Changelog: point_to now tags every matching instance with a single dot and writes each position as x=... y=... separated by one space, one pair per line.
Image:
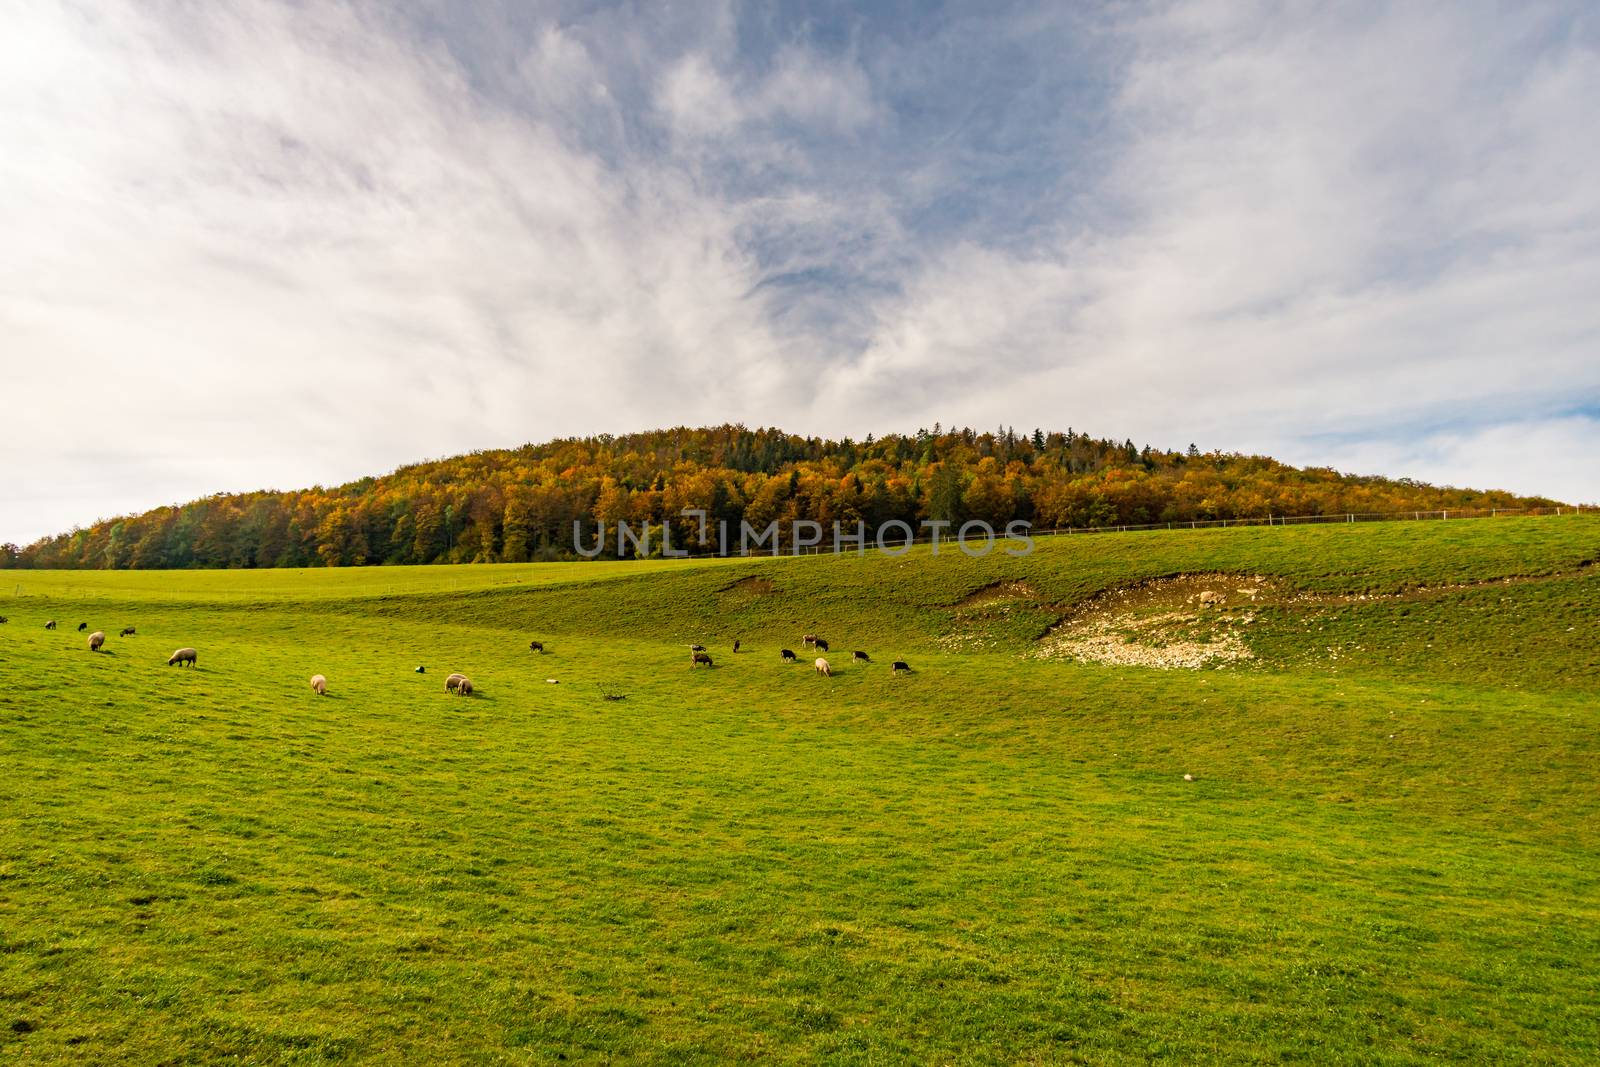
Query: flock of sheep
x=97 y=640
x=699 y=656
x=461 y=685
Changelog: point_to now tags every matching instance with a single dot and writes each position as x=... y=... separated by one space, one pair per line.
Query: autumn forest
x=520 y=504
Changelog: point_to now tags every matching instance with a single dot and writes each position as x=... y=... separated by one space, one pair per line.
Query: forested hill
x=520 y=504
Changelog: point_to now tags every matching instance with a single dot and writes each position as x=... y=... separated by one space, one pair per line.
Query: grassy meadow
x=1368 y=835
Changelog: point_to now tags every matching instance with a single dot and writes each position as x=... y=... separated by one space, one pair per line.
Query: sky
x=268 y=245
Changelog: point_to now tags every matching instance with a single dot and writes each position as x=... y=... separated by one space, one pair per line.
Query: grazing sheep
x=736 y=644
x=127 y=631
x=788 y=656
x=465 y=688
x=1210 y=597
x=96 y=639
x=3 y=620
x=699 y=658
x=51 y=625
x=535 y=646
x=823 y=668
x=82 y=626
x=822 y=646
x=900 y=665
x=420 y=670
x=319 y=685
x=697 y=648
x=809 y=639
x=861 y=657
x=185 y=656
x=453 y=681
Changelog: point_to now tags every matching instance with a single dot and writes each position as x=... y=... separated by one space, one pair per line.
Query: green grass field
x=1389 y=850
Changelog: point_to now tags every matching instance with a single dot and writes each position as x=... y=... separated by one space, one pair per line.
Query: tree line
x=515 y=505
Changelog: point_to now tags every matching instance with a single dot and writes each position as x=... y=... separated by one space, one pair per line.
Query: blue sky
x=268 y=245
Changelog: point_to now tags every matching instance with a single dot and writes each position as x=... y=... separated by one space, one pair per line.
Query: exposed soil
x=751 y=587
x=1192 y=621
x=1184 y=622
x=998 y=592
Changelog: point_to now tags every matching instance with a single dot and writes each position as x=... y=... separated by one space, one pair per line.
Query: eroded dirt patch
x=996 y=614
x=1185 y=622
x=998 y=593
x=751 y=586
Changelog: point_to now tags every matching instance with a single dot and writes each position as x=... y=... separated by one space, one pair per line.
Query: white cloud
x=275 y=248
x=271 y=245
x=1314 y=224
x=1552 y=457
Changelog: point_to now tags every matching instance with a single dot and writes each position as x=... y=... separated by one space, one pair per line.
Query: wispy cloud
x=269 y=244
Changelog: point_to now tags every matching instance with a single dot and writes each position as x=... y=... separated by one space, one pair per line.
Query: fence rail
x=948 y=536
x=1344 y=517
x=1341 y=517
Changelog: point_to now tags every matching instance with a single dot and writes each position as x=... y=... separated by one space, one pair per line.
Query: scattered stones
x=1179 y=623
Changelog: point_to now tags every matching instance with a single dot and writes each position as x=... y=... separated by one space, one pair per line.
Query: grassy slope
x=1387 y=853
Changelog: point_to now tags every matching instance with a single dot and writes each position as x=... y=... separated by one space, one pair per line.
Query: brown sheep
x=453 y=681
x=127 y=632
x=319 y=685
x=535 y=646
x=809 y=639
x=699 y=658
x=823 y=668
x=96 y=639
x=184 y=656
x=465 y=688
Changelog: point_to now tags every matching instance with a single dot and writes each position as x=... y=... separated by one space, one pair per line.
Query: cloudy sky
x=272 y=245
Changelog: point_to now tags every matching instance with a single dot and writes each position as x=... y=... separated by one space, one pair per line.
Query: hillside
x=1362 y=831
x=521 y=504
